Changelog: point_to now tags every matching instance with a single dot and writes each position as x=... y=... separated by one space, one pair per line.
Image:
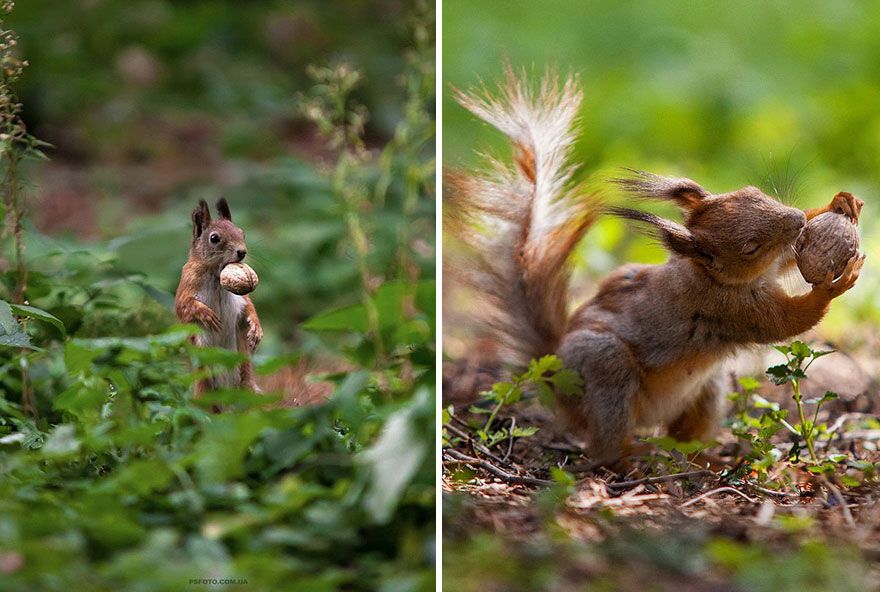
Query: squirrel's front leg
x=191 y=310
x=786 y=316
x=252 y=325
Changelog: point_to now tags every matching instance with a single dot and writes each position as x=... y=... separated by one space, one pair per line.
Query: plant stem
x=806 y=432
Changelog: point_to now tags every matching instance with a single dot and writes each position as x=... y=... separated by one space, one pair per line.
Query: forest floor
x=513 y=521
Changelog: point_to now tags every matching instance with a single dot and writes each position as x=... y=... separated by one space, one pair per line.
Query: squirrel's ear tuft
x=201 y=217
x=687 y=194
x=223 y=209
x=674 y=236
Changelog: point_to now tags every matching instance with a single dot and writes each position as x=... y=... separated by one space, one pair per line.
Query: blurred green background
x=153 y=104
x=782 y=95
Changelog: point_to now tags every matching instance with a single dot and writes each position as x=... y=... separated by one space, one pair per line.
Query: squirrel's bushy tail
x=519 y=223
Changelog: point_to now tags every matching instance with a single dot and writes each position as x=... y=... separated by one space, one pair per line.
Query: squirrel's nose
x=241 y=253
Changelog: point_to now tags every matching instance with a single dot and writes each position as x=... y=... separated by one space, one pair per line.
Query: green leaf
x=350 y=318
x=562 y=477
x=62 y=442
x=780 y=374
x=392 y=461
x=567 y=382
x=39 y=314
x=8 y=324
x=78 y=358
x=800 y=350
x=220 y=453
x=748 y=383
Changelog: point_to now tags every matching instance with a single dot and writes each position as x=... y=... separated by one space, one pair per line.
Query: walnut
x=827 y=243
x=239 y=279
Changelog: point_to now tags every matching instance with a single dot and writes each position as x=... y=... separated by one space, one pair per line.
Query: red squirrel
x=649 y=344
x=228 y=321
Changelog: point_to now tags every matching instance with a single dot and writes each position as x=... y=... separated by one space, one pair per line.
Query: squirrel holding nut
x=211 y=295
x=649 y=344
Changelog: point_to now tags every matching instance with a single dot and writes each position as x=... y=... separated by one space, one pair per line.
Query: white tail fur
x=521 y=222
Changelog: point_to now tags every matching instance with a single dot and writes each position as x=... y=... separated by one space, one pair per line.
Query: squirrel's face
x=735 y=237
x=216 y=243
x=742 y=234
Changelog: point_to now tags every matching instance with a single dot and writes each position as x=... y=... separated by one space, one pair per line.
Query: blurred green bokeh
x=782 y=95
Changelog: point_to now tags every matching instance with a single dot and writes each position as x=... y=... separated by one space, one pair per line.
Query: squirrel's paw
x=846 y=280
x=847 y=204
x=254 y=335
x=209 y=319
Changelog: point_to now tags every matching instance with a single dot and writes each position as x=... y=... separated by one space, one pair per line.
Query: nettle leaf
x=39 y=314
x=780 y=374
x=11 y=333
x=828 y=396
x=8 y=324
x=801 y=350
x=784 y=349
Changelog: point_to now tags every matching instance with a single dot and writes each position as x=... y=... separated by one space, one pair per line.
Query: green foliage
x=128 y=468
x=756 y=421
x=546 y=376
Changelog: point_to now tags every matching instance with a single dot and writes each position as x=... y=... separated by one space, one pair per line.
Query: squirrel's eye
x=751 y=248
x=214 y=238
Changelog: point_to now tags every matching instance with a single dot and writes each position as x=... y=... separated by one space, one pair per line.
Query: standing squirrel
x=649 y=344
x=228 y=321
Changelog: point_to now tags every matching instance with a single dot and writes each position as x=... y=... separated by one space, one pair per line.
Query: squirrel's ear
x=687 y=194
x=674 y=236
x=223 y=209
x=201 y=217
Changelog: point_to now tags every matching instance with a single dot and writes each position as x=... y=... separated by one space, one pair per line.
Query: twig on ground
x=847 y=515
x=660 y=479
x=476 y=445
x=725 y=489
x=510 y=444
x=766 y=491
x=489 y=467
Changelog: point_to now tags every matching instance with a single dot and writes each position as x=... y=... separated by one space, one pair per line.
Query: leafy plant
x=757 y=421
x=545 y=376
x=792 y=372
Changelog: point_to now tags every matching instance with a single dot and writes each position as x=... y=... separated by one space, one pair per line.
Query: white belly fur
x=228 y=307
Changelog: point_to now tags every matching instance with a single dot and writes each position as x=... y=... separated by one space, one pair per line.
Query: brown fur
x=648 y=344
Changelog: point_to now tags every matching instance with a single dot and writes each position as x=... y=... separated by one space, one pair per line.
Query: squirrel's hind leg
x=700 y=419
x=247 y=379
x=604 y=413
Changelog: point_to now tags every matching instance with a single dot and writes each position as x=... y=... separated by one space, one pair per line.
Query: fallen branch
x=660 y=479
x=500 y=473
x=725 y=489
